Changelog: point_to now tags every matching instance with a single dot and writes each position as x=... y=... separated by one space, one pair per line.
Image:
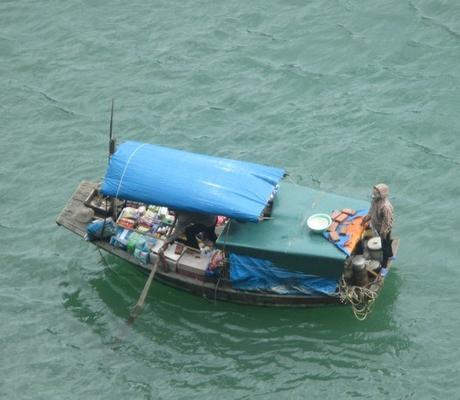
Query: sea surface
x=343 y=93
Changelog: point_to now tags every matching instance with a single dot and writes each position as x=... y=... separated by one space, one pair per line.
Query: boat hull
x=211 y=289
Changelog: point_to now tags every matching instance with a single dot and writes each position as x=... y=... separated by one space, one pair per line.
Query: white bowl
x=318 y=223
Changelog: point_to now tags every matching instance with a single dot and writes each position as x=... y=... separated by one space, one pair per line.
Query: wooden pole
x=140 y=303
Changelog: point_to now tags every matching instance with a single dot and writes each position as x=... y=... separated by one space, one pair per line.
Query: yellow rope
x=361 y=299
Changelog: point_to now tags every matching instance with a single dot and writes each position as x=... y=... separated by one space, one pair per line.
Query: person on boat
x=380 y=216
x=191 y=224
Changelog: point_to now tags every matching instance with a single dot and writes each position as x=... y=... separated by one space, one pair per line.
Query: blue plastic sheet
x=101 y=229
x=255 y=274
x=190 y=182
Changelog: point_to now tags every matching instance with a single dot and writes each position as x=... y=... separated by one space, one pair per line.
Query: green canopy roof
x=285 y=238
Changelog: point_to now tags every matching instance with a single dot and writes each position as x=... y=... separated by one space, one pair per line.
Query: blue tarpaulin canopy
x=190 y=182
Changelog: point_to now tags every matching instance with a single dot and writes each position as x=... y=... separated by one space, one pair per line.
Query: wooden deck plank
x=68 y=216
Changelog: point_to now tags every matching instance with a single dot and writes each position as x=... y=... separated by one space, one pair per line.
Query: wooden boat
x=269 y=225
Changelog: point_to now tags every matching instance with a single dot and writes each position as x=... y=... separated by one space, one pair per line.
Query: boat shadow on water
x=176 y=322
x=118 y=286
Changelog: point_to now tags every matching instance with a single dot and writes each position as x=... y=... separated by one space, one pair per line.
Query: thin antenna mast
x=112 y=142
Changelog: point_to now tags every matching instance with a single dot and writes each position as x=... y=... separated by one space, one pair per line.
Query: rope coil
x=362 y=299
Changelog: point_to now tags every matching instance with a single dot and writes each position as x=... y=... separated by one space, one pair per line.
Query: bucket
x=358 y=262
x=359 y=270
x=374 y=247
x=372 y=265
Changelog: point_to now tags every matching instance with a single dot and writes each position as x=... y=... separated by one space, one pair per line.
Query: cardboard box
x=193 y=262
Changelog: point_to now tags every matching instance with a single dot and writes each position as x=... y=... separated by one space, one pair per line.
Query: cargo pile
x=142 y=230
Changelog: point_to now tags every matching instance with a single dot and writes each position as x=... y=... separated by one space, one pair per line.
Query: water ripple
x=342 y=94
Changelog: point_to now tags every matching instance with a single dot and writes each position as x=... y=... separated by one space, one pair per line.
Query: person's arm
x=365 y=220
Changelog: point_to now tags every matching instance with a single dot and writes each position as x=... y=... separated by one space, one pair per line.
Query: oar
x=140 y=303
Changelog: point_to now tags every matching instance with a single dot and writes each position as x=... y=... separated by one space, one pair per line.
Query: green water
x=342 y=93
